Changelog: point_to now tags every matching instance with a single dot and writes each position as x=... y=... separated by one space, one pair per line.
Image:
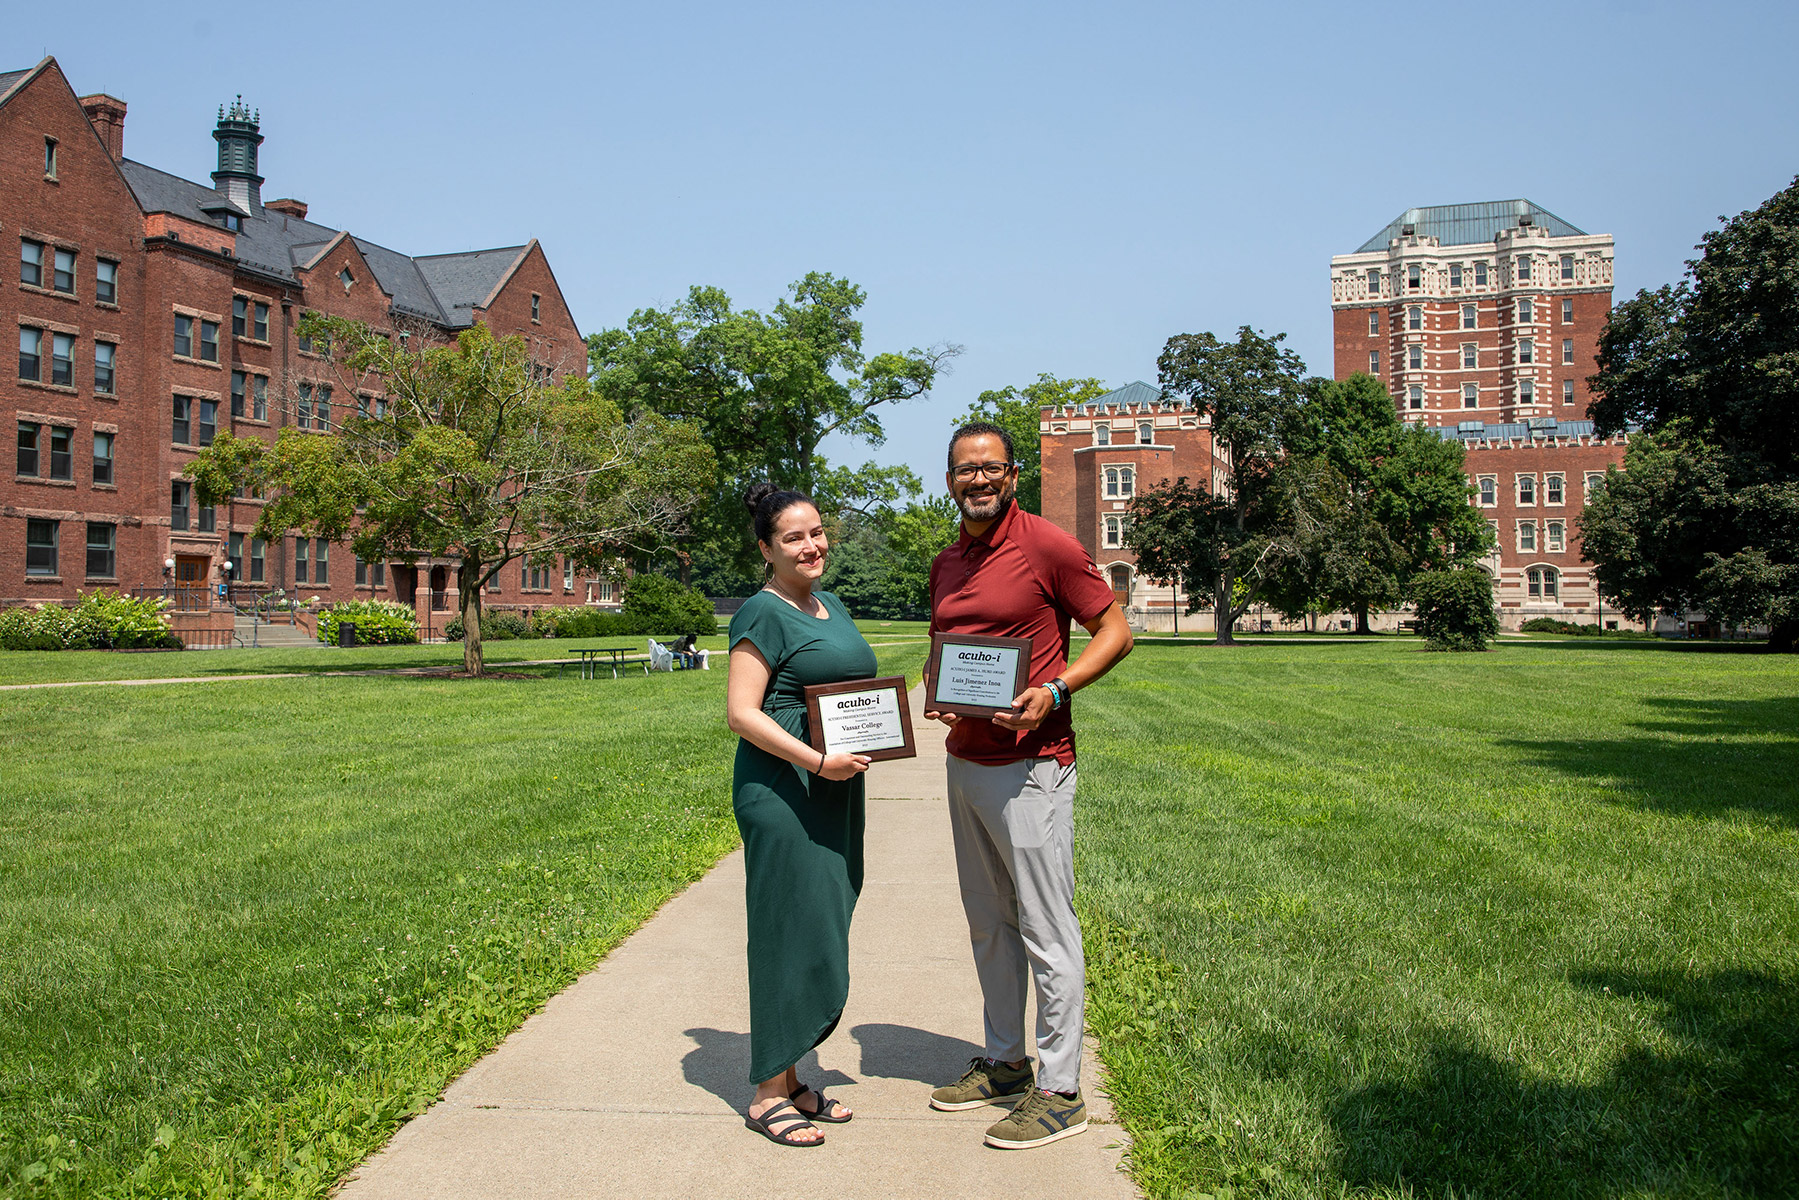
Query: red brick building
x=1483 y=320
x=1098 y=455
x=154 y=312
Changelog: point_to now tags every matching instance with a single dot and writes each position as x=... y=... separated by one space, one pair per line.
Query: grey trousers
x=1014 y=833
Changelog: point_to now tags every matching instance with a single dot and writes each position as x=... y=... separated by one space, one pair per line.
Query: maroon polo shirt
x=1024 y=577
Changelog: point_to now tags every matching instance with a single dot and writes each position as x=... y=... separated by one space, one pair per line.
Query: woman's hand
x=843 y=766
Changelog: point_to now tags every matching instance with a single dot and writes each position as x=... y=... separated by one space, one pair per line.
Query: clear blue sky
x=1055 y=187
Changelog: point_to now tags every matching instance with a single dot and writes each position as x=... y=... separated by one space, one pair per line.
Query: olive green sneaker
x=1040 y=1118
x=985 y=1082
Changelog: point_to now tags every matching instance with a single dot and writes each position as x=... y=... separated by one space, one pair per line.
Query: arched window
x=1102 y=435
x=1112 y=531
x=1127 y=481
x=1543 y=583
x=1145 y=434
x=1111 y=481
x=1414 y=318
x=1489 y=491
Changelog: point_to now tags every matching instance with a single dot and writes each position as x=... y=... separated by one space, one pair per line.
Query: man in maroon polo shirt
x=1011 y=787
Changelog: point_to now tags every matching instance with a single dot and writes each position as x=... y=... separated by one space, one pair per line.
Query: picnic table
x=613 y=656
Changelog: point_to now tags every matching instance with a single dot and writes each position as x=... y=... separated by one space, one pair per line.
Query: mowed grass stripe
x=1512 y=924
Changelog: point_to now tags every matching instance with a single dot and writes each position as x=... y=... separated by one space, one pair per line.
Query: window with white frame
x=1374 y=322
x=1568 y=268
x=1470 y=355
x=1480 y=274
x=1567 y=350
x=1543 y=583
x=1470 y=316
x=1112 y=531
x=1146 y=434
x=1488 y=486
x=1414 y=317
x=1374 y=281
x=105 y=358
x=1524 y=267
x=1567 y=312
x=1527 y=489
x=1111 y=483
x=1594 y=481
x=1414 y=356
x=1102 y=435
x=1526 y=312
x=1527 y=350
x=1527 y=391
x=1557 y=541
x=1455 y=275
x=1471 y=395
x=1374 y=362
x=1414 y=397
x=568 y=572
x=1553 y=489
x=1414 y=277
x=1567 y=391
x=1527 y=537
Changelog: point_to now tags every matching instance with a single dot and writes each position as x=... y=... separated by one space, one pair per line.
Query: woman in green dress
x=800 y=810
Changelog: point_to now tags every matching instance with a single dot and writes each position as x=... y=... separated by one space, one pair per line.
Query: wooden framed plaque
x=869 y=717
x=976 y=676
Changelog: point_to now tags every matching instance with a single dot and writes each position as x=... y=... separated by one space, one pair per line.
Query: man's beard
x=990 y=507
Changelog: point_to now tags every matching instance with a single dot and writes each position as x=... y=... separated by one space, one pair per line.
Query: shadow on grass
x=1645 y=645
x=1701 y=758
x=1717 y=1116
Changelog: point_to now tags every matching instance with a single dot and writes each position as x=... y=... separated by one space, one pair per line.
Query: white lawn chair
x=661 y=657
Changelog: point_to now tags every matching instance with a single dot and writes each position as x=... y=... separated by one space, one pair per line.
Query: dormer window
x=348 y=280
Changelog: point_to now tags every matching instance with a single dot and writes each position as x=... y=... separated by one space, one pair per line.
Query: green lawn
x=1366 y=920
x=248 y=927
x=1361 y=919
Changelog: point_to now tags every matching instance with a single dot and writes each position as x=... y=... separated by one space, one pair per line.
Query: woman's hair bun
x=758 y=492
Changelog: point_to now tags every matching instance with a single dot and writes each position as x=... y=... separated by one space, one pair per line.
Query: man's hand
x=1030 y=708
x=932 y=714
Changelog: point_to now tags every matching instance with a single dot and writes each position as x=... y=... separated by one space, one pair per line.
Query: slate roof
x=442 y=288
x=1469 y=224
x=9 y=78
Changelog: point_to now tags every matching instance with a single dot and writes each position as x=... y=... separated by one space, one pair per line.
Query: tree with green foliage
x=1232 y=542
x=1705 y=513
x=880 y=563
x=767 y=389
x=1403 y=506
x=1455 y=608
x=469 y=453
x=1018 y=411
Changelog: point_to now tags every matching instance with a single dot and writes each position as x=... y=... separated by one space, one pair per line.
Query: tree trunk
x=468 y=587
x=1783 y=638
x=1221 y=610
x=1361 y=619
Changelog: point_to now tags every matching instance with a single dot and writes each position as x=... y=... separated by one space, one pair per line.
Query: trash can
x=346 y=633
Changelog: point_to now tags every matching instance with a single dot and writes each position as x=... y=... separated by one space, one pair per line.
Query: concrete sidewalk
x=632 y=1082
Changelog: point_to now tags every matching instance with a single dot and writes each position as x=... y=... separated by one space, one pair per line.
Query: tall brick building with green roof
x=154 y=312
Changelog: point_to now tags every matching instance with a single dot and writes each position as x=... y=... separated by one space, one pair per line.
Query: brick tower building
x=154 y=312
x=1483 y=320
x=1098 y=455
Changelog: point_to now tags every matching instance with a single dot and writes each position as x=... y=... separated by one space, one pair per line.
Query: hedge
x=378 y=622
x=100 y=621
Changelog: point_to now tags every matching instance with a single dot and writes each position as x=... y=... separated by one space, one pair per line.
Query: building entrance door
x=190 y=581
x=1121 y=585
x=406 y=583
x=440 y=581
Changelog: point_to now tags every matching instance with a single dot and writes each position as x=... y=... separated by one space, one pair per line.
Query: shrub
x=101 y=621
x=495 y=627
x=378 y=622
x=590 y=623
x=1455 y=609
x=661 y=607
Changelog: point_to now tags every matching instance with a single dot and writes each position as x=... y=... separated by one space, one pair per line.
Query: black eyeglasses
x=992 y=470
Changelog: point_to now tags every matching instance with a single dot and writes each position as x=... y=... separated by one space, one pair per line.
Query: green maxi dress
x=802 y=837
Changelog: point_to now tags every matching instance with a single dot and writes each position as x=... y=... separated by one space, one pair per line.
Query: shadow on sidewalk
x=720 y=1063
x=902 y=1052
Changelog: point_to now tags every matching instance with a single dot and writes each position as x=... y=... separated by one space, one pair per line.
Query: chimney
x=107 y=115
x=288 y=206
x=239 y=134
